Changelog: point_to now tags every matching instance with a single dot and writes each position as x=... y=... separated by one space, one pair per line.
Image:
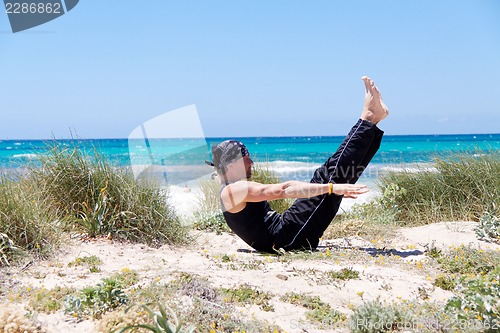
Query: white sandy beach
x=398 y=272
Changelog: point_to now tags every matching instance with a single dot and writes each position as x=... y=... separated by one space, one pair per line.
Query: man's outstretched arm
x=296 y=189
x=236 y=194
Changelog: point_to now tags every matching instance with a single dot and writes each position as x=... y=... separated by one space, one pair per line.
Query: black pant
x=303 y=224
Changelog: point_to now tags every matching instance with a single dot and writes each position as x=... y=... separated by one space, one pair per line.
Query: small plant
x=433 y=252
x=391 y=195
x=374 y=220
x=226 y=258
x=488 y=228
x=91 y=261
x=47 y=300
x=98 y=219
x=445 y=282
x=343 y=274
x=382 y=210
x=125 y=278
x=161 y=319
x=197 y=288
x=308 y=302
x=245 y=294
x=325 y=317
x=211 y=221
x=320 y=312
x=95 y=301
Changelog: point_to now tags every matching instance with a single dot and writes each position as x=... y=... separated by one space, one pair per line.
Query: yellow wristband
x=330 y=188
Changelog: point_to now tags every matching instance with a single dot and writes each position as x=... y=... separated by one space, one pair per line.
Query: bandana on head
x=226 y=153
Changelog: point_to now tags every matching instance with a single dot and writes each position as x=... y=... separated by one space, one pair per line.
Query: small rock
x=282 y=277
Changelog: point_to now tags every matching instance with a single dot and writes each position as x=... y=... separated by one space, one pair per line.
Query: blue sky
x=253 y=68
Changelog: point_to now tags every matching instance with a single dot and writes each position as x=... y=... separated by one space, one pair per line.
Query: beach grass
x=463 y=186
x=93 y=196
x=209 y=199
x=208 y=215
x=68 y=189
x=460 y=187
x=27 y=225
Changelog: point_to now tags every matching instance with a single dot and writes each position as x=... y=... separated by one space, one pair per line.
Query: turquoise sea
x=290 y=157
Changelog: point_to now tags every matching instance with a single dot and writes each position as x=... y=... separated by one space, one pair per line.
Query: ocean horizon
x=291 y=157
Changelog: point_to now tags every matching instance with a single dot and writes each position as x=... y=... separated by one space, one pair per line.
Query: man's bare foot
x=374 y=109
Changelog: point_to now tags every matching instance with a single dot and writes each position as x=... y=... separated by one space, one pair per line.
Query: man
x=245 y=203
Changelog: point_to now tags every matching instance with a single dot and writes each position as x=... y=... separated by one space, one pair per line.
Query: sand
x=400 y=271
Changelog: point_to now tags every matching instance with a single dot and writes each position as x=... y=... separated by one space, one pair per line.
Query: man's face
x=241 y=169
x=248 y=165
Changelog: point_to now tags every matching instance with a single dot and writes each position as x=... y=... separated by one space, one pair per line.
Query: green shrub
x=488 y=228
x=105 y=200
x=462 y=187
x=373 y=212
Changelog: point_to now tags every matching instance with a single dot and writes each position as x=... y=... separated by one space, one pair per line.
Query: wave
x=410 y=168
x=290 y=170
x=28 y=156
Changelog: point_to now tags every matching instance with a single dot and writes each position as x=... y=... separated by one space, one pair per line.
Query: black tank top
x=256 y=224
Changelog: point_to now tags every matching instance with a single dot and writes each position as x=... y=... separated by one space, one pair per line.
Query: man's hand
x=349 y=190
